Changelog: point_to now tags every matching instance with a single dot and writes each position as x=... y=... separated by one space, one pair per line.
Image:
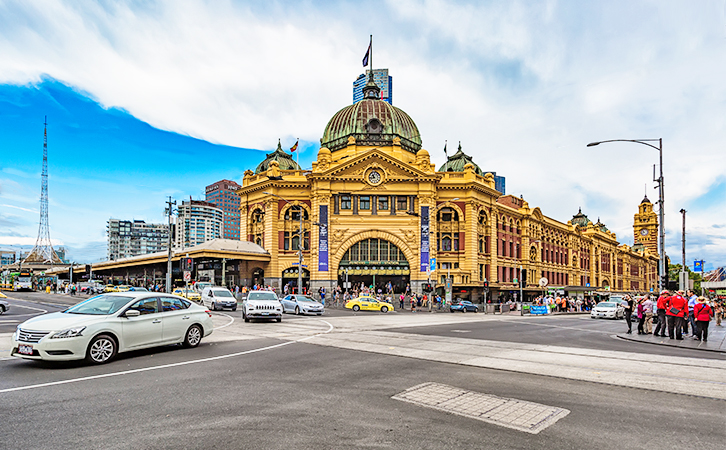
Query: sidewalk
x=716 y=339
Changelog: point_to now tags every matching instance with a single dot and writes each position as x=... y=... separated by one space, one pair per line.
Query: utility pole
x=170 y=204
x=683 y=284
x=521 y=300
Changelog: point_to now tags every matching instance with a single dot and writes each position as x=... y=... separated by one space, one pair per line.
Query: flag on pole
x=294 y=147
x=368 y=53
x=445 y=153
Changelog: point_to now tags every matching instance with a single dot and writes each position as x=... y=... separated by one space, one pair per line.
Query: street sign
x=515 y=281
x=187 y=276
x=543 y=282
x=432 y=264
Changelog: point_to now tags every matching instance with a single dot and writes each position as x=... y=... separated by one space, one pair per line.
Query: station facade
x=376 y=210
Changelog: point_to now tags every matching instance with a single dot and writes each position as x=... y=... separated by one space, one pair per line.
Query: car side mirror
x=132 y=313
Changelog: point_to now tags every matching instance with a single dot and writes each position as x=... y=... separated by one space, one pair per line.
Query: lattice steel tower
x=43 y=252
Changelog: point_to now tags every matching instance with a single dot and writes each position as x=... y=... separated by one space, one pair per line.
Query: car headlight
x=69 y=333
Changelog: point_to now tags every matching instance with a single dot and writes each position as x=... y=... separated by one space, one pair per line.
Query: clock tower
x=645 y=226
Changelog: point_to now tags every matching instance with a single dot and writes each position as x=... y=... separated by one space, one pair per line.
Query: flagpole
x=297 y=150
x=370 y=61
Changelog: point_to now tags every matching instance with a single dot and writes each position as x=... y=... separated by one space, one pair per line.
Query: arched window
x=291 y=228
x=483 y=232
x=373 y=250
x=257 y=226
x=447 y=237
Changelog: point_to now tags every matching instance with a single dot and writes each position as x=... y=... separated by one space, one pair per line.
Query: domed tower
x=284 y=160
x=371 y=121
x=645 y=226
x=580 y=219
x=457 y=161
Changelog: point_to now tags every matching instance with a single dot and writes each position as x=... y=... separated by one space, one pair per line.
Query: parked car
x=102 y=326
x=110 y=288
x=464 y=306
x=302 y=304
x=189 y=294
x=367 y=303
x=4 y=305
x=138 y=289
x=215 y=297
x=261 y=305
x=608 y=310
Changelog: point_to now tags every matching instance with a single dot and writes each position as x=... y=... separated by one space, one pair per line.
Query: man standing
x=692 y=299
x=660 y=305
x=676 y=311
x=628 y=305
x=648 y=310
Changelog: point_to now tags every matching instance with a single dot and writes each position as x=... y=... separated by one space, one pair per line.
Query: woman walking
x=641 y=316
x=628 y=305
x=702 y=313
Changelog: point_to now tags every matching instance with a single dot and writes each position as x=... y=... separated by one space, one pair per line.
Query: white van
x=215 y=297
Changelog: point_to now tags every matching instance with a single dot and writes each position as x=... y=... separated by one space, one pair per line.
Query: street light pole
x=661 y=200
x=169 y=210
x=521 y=300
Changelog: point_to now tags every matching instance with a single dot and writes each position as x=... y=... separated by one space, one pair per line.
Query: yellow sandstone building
x=376 y=210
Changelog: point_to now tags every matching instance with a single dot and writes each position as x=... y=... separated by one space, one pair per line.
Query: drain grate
x=506 y=412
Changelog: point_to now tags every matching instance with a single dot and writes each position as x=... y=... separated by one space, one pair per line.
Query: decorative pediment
x=393 y=169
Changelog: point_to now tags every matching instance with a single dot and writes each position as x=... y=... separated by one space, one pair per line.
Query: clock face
x=374 y=177
x=644 y=232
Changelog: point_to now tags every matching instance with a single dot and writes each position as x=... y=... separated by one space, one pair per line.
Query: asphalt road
x=21 y=311
x=310 y=397
x=578 y=331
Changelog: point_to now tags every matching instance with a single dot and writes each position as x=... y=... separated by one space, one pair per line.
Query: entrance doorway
x=258 y=277
x=289 y=278
x=377 y=263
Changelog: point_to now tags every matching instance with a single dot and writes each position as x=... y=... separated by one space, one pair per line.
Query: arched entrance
x=289 y=278
x=258 y=277
x=374 y=262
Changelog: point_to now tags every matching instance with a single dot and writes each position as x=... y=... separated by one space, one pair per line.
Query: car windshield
x=222 y=293
x=99 y=305
x=305 y=299
x=606 y=305
x=262 y=296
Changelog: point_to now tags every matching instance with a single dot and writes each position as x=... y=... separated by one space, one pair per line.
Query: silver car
x=302 y=304
x=4 y=306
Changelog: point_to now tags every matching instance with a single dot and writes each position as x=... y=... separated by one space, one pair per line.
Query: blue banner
x=424 y=238
x=538 y=309
x=698 y=266
x=323 y=239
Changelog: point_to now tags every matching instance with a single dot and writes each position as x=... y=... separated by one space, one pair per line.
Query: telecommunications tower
x=43 y=252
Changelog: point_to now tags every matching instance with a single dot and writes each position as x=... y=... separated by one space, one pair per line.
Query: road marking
x=164 y=366
x=231 y=321
x=506 y=412
x=9 y=321
x=42 y=311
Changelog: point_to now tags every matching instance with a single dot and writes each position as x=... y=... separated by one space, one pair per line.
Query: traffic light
x=187 y=264
x=486 y=284
x=427 y=287
x=523 y=276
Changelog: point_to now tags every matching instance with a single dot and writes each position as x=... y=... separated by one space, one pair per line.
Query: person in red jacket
x=661 y=311
x=702 y=313
x=676 y=311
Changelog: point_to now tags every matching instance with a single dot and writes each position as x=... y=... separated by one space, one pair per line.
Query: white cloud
x=525 y=86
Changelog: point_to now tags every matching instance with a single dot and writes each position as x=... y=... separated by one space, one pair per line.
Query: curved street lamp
x=661 y=199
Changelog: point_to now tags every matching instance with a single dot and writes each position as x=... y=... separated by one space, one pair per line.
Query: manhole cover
x=506 y=412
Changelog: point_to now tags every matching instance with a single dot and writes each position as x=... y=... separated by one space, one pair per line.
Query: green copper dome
x=283 y=158
x=580 y=219
x=457 y=161
x=371 y=121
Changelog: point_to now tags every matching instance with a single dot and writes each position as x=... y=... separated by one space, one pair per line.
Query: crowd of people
x=677 y=313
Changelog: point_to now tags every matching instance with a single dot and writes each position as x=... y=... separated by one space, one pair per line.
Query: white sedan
x=608 y=310
x=302 y=304
x=102 y=326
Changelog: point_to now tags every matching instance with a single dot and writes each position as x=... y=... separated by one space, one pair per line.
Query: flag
x=294 y=147
x=447 y=155
x=368 y=53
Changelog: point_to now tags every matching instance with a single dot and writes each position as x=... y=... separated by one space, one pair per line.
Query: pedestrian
x=660 y=328
x=702 y=312
x=676 y=312
x=641 y=316
x=648 y=311
x=628 y=305
x=718 y=312
x=692 y=300
x=401 y=302
x=413 y=304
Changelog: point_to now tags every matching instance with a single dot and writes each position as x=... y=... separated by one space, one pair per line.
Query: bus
x=23 y=280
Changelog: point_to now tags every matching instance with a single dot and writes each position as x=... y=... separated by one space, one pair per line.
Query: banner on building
x=424 y=238
x=323 y=239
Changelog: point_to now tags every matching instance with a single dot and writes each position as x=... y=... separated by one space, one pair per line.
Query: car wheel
x=384 y=309
x=234 y=309
x=356 y=308
x=279 y=319
x=451 y=311
x=463 y=309
x=214 y=306
x=2 y=309
x=297 y=310
x=193 y=337
x=244 y=316
x=101 y=349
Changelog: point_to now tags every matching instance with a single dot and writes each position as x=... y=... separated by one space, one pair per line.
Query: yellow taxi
x=110 y=288
x=189 y=294
x=368 y=303
x=123 y=288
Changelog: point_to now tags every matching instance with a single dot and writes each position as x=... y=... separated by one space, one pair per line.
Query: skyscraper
x=197 y=222
x=128 y=238
x=382 y=80
x=223 y=194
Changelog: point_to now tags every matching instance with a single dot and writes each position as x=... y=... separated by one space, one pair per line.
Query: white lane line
x=30 y=307
x=231 y=321
x=164 y=366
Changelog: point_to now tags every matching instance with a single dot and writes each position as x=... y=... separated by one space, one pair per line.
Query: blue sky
x=158 y=98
